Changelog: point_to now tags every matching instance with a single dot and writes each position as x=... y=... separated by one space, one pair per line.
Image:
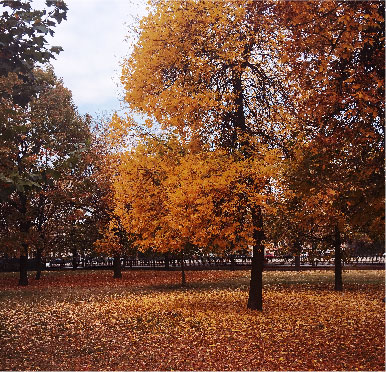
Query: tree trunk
x=38 y=264
x=338 y=260
x=233 y=262
x=117 y=267
x=255 y=300
x=24 y=229
x=297 y=262
x=23 y=279
x=183 y=277
x=167 y=261
x=74 y=252
x=298 y=250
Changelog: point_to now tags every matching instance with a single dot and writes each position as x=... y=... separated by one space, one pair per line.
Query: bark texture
x=255 y=300
x=117 y=267
x=183 y=276
x=39 y=264
x=338 y=260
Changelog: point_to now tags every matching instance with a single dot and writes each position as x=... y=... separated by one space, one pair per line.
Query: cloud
x=93 y=39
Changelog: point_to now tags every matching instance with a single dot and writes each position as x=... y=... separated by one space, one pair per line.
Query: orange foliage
x=88 y=321
x=171 y=195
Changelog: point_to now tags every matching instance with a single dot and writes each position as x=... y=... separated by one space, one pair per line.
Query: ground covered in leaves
x=87 y=320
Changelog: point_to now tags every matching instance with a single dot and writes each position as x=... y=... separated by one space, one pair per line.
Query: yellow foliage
x=171 y=195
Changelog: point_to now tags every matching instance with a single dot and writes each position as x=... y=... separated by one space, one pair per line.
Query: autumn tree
x=110 y=140
x=335 y=51
x=286 y=232
x=39 y=143
x=202 y=67
x=77 y=203
x=112 y=243
x=23 y=46
x=174 y=195
x=141 y=197
x=239 y=75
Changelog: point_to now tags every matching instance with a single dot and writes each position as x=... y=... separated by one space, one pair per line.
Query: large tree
x=206 y=68
x=304 y=78
x=335 y=51
x=39 y=143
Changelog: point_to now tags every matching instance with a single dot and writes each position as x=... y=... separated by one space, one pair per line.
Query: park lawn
x=86 y=320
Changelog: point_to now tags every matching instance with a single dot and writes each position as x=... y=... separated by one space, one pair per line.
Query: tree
x=23 y=43
x=207 y=74
x=336 y=53
x=243 y=74
x=39 y=143
x=173 y=196
x=141 y=197
x=23 y=46
x=112 y=243
x=110 y=140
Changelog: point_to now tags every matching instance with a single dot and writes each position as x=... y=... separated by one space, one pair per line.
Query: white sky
x=93 y=39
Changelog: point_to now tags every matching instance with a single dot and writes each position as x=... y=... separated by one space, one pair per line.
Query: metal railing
x=193 y=262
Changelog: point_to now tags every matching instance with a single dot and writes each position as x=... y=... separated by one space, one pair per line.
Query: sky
x=94 y=44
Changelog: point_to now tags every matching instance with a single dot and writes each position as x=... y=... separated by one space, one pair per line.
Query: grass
x=87 y=320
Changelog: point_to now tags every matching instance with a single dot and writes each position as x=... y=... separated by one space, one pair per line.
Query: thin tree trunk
x=74 y=252
x=255 y=300
x=42 y=235
x=24 y=229
x=117 y=267
x=167 y=261
x=338 y=260
x=38 y=264
x=23 y=279
x=298 y=249
x=233 y=262
x=297 y=262
x=183 y=277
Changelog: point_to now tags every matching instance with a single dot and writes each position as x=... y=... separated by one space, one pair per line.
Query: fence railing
x=194 y=262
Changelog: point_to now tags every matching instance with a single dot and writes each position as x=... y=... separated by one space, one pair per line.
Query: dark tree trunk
x=297 y=262
x=40 y=223
x=183 y=277
x=167 y=261
x=298 y=250
x=233 y=262
x=255 y=300
x=74 y=252
x=39 y=264
x=338 y=260
x=23 y=279
x=239 y=103
x=24 y=229
x=117 y=267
